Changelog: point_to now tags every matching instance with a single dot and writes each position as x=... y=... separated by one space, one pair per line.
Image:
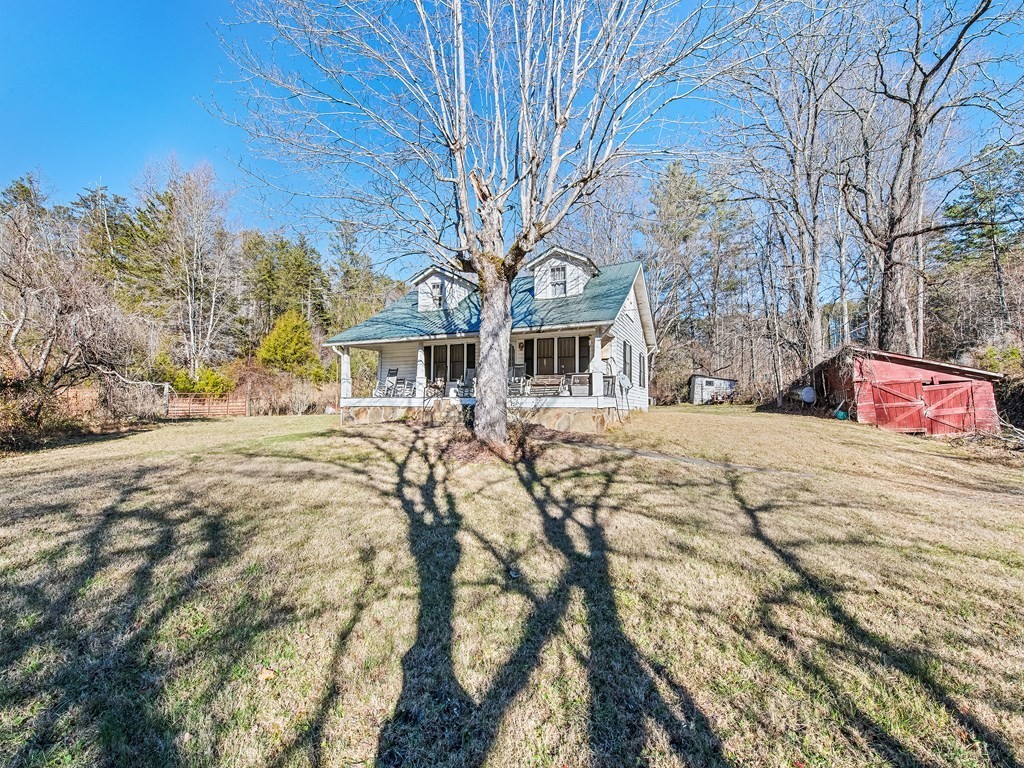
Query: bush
x=274 y=392
x=30 y=414
x=212 y=382
x=289 y=348
x=208 y=381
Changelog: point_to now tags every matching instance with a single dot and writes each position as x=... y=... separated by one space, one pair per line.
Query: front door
x=545 y=357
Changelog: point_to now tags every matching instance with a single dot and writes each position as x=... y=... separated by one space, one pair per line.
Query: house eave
x=463 y=335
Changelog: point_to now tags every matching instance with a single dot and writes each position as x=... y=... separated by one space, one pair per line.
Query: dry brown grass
x=275 y=591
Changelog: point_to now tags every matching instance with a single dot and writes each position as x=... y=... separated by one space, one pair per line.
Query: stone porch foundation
x=583 y=420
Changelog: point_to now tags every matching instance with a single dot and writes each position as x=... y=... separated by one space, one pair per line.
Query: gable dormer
x=439 y=289
x=558 y=273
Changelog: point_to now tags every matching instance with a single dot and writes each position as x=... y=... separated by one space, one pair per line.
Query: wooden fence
x=190 y=406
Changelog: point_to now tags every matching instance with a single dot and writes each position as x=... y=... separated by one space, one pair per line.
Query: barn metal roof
x=978 y=373
x=598 y=304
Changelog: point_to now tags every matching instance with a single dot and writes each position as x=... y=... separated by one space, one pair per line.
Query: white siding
x=627 y=328
x=452 y=292
x=704 y=389
x=575 y=278
x=401 y=355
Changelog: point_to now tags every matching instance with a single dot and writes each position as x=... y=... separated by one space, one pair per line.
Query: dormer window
x=558 y=282
x=435 y=295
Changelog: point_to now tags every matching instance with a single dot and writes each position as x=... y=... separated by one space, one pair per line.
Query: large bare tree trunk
x=895 y=322
x=490 y=416
x=843 y=293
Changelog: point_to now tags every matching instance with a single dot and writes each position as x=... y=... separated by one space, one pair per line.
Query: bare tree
x=181 y=244
x=608 y=225
x=59 y=321
x=930 y=67
x=777 y=133
x=469 y=129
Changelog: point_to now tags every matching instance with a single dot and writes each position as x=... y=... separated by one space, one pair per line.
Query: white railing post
x=596 y=367
x=421 y=371
x=346 y=373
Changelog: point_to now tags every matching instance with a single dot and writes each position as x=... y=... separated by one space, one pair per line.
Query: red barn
x=908 y=394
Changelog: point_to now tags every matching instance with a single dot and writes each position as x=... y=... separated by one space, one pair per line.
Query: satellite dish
x=807 y=395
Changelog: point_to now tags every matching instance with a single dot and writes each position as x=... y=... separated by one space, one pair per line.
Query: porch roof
x=600 y=302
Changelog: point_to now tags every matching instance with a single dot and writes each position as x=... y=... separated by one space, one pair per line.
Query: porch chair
x=518 y=381
x=387 y=387
x=468 y=386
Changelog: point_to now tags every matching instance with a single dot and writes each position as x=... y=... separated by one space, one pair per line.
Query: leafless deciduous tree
x=59 y=322
x=470 y=128
x=182 y=245
x=930 y=67
x=778 y=133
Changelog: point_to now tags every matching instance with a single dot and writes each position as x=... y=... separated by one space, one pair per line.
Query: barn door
x=949 y=408
x=899 y=405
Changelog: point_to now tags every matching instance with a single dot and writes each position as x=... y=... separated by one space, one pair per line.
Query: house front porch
x=561 y=378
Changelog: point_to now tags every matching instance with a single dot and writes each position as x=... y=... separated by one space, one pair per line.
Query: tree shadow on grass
x=77 y=644
x=436 y=722
x=97 y=676
x=865 y=644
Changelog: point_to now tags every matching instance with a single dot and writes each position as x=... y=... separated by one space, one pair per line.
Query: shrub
x=212 y=382
x=289 y=348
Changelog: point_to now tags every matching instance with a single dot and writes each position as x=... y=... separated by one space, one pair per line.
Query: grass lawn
x=278 y=591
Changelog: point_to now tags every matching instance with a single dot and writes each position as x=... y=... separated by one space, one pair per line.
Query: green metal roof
x=600 y=302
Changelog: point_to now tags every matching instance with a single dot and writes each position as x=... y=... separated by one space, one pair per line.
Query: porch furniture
x=579 y=384
x=467 y=388
x=386 y=388
x=518 y=381
x=405 y=388
x=546 y=386
x=433 y=388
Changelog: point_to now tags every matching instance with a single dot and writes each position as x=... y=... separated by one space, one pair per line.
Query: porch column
x=421 y=371
x=596 y=368
x=346 y=373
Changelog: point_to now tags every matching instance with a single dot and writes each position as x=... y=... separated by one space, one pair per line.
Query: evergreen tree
x=289 y=347
x=995 y=197
x=104 y=218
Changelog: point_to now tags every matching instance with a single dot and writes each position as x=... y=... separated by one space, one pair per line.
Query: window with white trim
x=435 y=294
x=558 y=281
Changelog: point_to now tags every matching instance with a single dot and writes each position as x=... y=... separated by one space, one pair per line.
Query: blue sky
x=91 y=91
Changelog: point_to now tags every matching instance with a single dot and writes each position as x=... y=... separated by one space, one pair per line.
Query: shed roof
x=963 y=370
x=713 y=378
x=598 y=304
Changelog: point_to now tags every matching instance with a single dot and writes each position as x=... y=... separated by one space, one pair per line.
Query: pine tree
x=994 y=196
x=289 y=347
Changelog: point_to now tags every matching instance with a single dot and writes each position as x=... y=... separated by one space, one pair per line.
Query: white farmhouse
x=580 y=353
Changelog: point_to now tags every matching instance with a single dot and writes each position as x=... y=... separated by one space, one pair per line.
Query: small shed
x=711 y=389
x=903 y=393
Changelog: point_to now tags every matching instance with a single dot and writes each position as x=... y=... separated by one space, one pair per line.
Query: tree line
x=161 y=288
x=855 y=180
x=824 y=196
x=731 y=300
